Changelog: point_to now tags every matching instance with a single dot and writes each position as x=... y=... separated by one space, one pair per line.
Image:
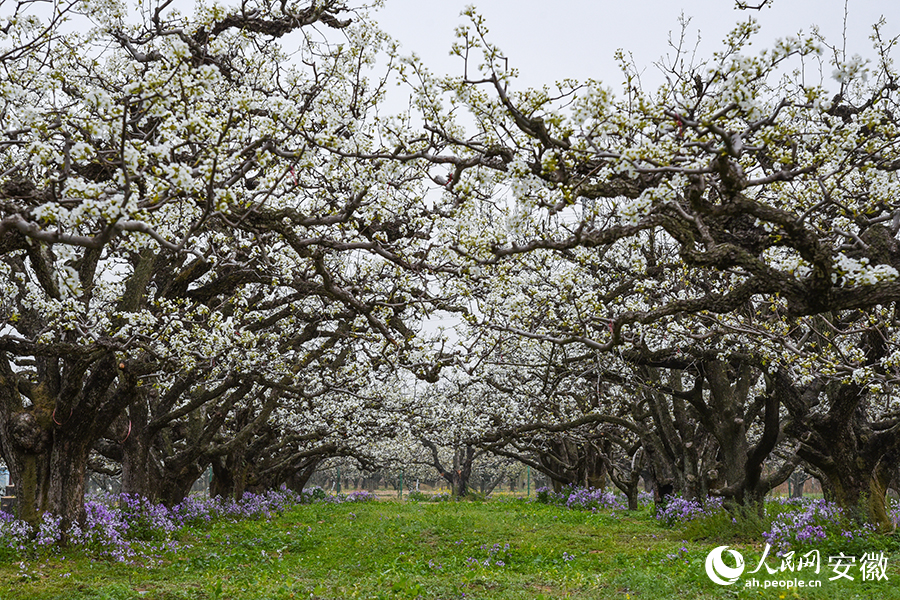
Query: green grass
x=409 y=550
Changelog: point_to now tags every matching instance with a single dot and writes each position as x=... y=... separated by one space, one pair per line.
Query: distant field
x=500 y=549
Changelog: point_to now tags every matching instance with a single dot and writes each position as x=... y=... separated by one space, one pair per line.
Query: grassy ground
x=428 y=550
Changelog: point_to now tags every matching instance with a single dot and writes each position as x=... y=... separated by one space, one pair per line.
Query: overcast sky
x=551 y=40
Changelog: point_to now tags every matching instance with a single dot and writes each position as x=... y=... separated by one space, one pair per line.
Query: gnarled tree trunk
x=47 y=429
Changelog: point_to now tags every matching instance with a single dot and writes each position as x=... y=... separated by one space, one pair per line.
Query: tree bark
x=842 y=445
x=68 y=466
x=47 y=445
x=26 y=449
x=140 y=475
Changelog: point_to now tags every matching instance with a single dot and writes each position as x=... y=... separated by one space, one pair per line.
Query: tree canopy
x=217 y=252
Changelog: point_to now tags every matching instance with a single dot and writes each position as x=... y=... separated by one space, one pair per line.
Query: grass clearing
x=448 y=550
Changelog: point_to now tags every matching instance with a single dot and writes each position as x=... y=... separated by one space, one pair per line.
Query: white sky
x=548 y=41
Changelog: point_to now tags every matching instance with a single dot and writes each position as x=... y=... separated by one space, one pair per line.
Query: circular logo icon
x=721 y=573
